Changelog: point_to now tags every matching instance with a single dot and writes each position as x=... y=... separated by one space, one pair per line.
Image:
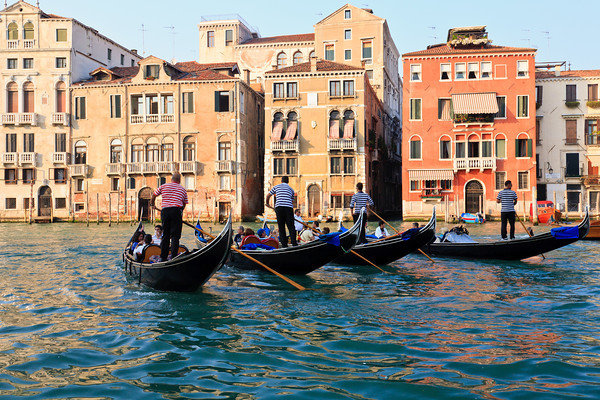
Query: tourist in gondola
x=139 y=250
x=284 y=210
x=298 y=221
x=158 y=234
x=239 y=235
x=359 y=200
x=381 y=232
x=174 y=199
x=508 y=199
x=139 y=240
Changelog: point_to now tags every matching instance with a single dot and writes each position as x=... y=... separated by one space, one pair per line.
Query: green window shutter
x=217 y=99
x=529 y=147
x=118 y=106
x=516 y=147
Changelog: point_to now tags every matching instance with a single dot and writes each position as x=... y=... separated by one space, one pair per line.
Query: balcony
x=10 y=158
x=341 y=144
x=27 y=158
x=572 y=103
x=152 y=118
x=285 y=145
x=60 y=118
x=189 y=167
x=166 y=167
x=576 y=172
x=592 y=140
x=81 y=170
x=479 y=120
x=115 y=169
x=60 y=158
x=12 y=44
x=156 y=167
x=225 y=166
x=29 y=44
x=591 y=180
x=19 y=119
x=474 y=163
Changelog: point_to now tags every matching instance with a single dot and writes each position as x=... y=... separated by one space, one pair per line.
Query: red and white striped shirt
x=173 y=195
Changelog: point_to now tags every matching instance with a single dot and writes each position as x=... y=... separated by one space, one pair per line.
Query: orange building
x=468 y=125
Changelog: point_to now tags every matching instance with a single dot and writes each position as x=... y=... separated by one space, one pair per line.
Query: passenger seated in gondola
x=326 y=231
x=157 y=237
x=139 y=249
x=381 y=232
x=261 y=233
x=411 y=232
x=308 y=235
x=239 y=236
x=138 y=241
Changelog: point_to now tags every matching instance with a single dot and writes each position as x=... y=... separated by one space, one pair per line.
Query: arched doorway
x=474 y=197
x=314 y=200
x=45 y=202
x=144 y=197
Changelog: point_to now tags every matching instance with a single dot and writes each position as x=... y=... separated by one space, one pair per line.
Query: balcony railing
x=12 y=44
x=225 y=166
x=19 y=119
x=60 y=118
x=341 y=144
x=27 y=158
x=152 y=118
x=192 y=167
x=27 y=119
x=115 y=169
x=29 y=44
x=590 y=180
x=573 y=172
x=284 y=145
x=156 y=167
x=10 y=158
x=166 y=167
x=474 y=163
x=60 y=158
x=79 y=170
x=592 y=140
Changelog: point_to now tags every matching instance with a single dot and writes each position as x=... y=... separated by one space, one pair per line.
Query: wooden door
x=474 y=197
x=45 y=202
x=144 y=198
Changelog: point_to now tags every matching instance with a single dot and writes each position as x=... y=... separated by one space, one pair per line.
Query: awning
x=475 y=103
x=430 y=174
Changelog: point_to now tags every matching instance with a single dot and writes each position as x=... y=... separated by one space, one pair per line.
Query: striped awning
x=430 y=174
x=475 y=103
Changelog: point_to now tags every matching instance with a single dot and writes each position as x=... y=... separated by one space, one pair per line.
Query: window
x=473 y=149
x=61 y=35
x=189 y=182
x=189 y=149
x=298 y=58
x=28 y=33
x=210 y=39
x=445 y=149
x=522 y=106
x=446 y=184
x=137 y=104
x=415 y=186
x=571 y=93
x=122 y=59
x=445 y=109
x=222 y=101
x=367 y=50
x=486 y=148
x=80 y=152
x=11 y=63
x=348 y=88
x=224 y=182
x=445 y=72
x=26 y=203
x=61 y=97
x=335 y=167
x=538 y=131
x=312 y=54
x=61 y=62
x=369 y=74
x=415 y=72
x=292 y=90
x=347 y=14
x=523 y=147
x=115 y=184
x=12 y=97
x=500 y=179
x=28 y=97
x=166 y=104
x=284 y=166
x=291 y=166
x=28 y=143
x=349 y=122
x=347 y=54
x=522 y=69
x=79 y=107
x=348 y=34
x=80 y=207
x=151 y=71
x=11 y=203
x=349 y=165
x=224 y=151
x=27 y=63
x=571 y=131
x=152 y=152
x=329 y=52
x=593 y=92
x=460 y=69
x=459 y=150
x=590 y=126
x=473 y=69
x=187 y=100
x=60 y=203
x=116 y=148
x=335 y=89
x=278 y=91
x=10 y=176
x=11 y=142
x=28 y=175
x=572 y=165
x=486 y=70
x=166 y=152
x=133 y=63
x=281 y=60
x=161 y=180
x=415 y=109
x=228 y=37
x=115 y=106
x=109 y=54
x=415 y=149
x=523 y=178
x=137 y=152
x=12 y=31
x=131 y=183
x=501 y=107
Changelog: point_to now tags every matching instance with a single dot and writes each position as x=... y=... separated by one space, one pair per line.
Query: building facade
x=469 y=125
x=568 y=152
x=41 y=54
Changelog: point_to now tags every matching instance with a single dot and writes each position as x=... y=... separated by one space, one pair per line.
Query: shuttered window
x=445 y=109
x=593 y=92
x=571 y=129
x=571 y=94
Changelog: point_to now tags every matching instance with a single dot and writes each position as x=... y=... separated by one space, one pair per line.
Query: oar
x=398 y=232
x=271 y=270
x=351 y=251
x=526 y=230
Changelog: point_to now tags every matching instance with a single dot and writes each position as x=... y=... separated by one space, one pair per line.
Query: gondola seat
x=271 y=242
x=152 y=253
x=251 y=239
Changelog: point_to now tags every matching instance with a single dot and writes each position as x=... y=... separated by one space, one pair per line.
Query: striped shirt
x=507 y=198
x=284 y=195
x=173 y=195
x=360 y=200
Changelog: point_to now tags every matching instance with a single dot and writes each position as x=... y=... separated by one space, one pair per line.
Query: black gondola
x=517 y=249
x=382 y=252
x=186 y=272
x=302 y=259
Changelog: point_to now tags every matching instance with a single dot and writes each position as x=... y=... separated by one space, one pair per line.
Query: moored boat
x=184 y=273
x=517 y=249
x=594 y=233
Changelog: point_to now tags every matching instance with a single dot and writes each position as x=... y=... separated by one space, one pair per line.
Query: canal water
x=72 y=326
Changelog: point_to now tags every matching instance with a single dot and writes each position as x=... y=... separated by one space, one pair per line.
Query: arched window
x=500 y=145
x=80 y=152
x=445 y=147
x=61 y=97
x=348 y=124
x=28 y=97
x=189 y=148
x=312 y=54
x=334 y=124
x=12 y=98
x=166 y=149
x=152 y=150
x=292 y=126
x=281 y=60
x=13 y=31
x=116 y=149
x=473 y=145
x=298 y=57
x=137 y=150
x=28 y=31
x=277 y=130
x=415 y=148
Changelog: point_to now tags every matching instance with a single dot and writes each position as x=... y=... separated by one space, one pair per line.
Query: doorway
x=45 y=202
x=314 y=200
x=474 y=197
x=144 y=198
x=224 y=211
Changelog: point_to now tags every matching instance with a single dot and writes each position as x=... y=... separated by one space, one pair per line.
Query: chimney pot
x=313 y=64
x=557 y=70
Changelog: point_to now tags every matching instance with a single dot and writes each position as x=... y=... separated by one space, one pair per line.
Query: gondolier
x=284 y=210
x=174 y=199
x=359 y=200
x=508 y=199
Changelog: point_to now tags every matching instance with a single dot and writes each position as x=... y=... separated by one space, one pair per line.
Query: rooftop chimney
x=313 y=64
x=557 y=70
x=247 y=76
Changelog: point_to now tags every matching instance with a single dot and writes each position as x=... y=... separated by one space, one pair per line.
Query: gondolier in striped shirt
x=359 y=200
x=284 y=210
x=508 y=199
x=174 y=199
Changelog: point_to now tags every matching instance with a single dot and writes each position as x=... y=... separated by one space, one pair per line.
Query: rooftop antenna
x=143 y=41
x=37 y=3
x=528 y=40
x=173 y=33
x=547 y=33
x=433 y=31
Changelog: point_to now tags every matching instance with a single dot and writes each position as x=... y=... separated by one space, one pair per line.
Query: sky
x=559 y=30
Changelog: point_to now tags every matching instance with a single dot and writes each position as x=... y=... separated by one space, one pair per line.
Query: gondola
x=382 y=252
x=301 y=259
x=186 y=272
x=517 y=249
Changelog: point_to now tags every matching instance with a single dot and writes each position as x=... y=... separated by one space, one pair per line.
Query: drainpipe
x=126 y=147
x=237 y=144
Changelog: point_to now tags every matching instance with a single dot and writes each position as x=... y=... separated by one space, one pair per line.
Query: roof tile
x=322 y=65
x=582 y=73
x=303 y=37
x=443 y=48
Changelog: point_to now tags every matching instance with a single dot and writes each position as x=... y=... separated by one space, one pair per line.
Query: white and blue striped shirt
x=507 y=198
x=360 y=200
x=284 y=195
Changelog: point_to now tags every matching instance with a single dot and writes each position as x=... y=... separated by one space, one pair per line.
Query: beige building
x=150 y=121
x=41 y=54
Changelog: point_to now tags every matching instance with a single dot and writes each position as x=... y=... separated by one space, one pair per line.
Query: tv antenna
x=547 y=33
x=433 y=31
x=143 y=30
x=173 y=33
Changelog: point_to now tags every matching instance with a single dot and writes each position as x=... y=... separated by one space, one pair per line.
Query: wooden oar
x=527 y=230
x=271 y=270
x=398 y=232
x=351 y=251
